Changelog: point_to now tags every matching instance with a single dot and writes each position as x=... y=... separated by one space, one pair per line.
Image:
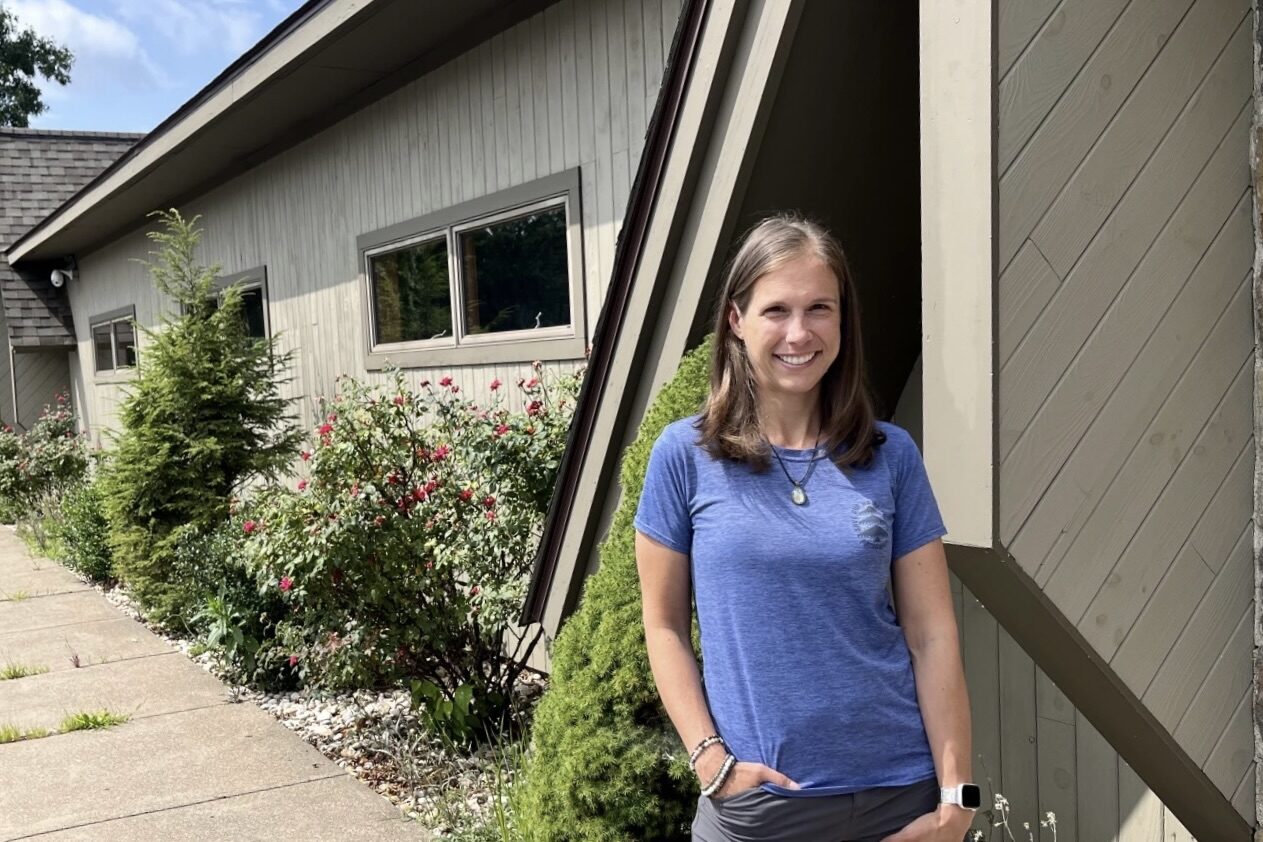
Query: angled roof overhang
x=720 y=83
x=326 y=61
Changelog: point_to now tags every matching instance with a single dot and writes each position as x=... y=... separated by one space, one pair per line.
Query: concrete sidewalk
x=188 y=764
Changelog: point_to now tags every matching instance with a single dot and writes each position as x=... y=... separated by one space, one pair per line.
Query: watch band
x=967 y=796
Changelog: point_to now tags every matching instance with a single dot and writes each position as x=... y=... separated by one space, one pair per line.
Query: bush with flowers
x=404 y=554
x=38 y=467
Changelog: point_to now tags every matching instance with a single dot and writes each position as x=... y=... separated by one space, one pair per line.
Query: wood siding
x=1125 y=352
x=573 y=86
x=40 y=376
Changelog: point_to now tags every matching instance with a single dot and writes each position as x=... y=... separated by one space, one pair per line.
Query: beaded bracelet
x=718 y=782
x=713 y=739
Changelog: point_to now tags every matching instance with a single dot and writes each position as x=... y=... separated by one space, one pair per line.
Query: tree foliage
x=605 y=763
x=202 y=417
x=24 y=56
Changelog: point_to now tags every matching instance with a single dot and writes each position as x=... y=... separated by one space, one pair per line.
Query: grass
x=17 y=596
x=91 y=720
x=9 y=672
x=13 y=734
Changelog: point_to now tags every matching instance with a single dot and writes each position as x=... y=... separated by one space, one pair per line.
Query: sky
x=138 y=61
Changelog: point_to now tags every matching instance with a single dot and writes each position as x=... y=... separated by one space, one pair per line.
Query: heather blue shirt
x=805 y=666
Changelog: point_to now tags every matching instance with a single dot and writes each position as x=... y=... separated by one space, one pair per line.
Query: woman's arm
x=923 y=603
x=667 y=612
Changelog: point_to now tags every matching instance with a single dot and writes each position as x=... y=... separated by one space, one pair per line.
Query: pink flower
x=534 y=407
x=306 y=454
x=293 y=660
x=445 y=381
x=491 y=515
x=249 y=526
x=496 y=384
x=488 y=501
x=466 y=495
x=501 y=430
x=440 y=453
x=286 y=583
x=302 y=485
x=475 y=590
x=324 y=429
x=399 y=400
x=532 y=383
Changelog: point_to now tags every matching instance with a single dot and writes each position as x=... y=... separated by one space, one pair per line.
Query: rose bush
x=37 y=468
x=403 y=555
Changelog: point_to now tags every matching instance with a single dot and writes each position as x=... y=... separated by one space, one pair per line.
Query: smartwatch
x=965 y=796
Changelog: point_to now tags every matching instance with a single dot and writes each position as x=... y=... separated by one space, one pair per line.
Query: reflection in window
x=411 y=297
x=103 y=346
x=113 y=343
x=514 y=273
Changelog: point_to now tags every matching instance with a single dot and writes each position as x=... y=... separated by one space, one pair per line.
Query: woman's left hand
x=948 y=823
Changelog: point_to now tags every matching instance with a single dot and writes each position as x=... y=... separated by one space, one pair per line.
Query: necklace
x=799 y=494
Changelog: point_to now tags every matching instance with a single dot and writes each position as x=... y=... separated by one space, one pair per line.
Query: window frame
x=250 y=279
x=111 y=318
x=551 y=343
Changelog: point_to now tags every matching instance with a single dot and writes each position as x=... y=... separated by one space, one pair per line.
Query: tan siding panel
x=1026 y=287
x=1230 y=508
x=1108 y=335
x=1125 y=240
x=1203 y=640
x=1208 y=713
x=1097 y=782
x=40 y=377
x=1038 y=174
x=1172 y=829
x=1243 y=798
x=1234 y=752
x=1057 y=788
x=1019 y=21
x=1019 y=752
x=1139 y=810
x=1125 y=590
x=979 y=647
x=1134 y=133
x=1039 y=78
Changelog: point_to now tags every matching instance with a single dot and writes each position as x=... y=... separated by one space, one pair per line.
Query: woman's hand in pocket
x=747 y=776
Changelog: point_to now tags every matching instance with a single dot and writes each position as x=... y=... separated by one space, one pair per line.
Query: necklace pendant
x=798 y=495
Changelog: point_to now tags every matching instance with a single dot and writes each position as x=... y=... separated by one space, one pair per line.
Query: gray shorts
x=755 y=815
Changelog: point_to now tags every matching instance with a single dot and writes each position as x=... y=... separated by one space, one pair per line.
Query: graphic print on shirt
x=870 y=524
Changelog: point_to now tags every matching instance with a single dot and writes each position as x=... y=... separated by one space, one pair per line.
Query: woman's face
x=791 y=327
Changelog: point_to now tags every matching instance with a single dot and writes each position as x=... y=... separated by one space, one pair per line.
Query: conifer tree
x=202 y=417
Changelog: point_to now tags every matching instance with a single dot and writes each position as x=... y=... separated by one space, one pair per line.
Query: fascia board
x=268 y=66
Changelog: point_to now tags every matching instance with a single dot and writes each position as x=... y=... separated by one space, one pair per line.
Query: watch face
x=970 y=796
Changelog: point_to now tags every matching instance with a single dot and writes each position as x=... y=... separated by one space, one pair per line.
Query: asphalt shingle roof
x=39 y=170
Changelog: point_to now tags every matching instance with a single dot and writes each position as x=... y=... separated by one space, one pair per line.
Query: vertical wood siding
x=573 y=86
x=1126 y=351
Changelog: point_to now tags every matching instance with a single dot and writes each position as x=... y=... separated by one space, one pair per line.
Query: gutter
x=631 y=241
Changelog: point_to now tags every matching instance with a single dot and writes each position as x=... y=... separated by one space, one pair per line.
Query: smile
x=797 y=361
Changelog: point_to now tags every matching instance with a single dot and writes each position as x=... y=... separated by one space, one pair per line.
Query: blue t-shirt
x=805 y=666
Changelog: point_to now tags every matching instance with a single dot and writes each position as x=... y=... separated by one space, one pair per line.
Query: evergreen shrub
x=80 y=533
x=605 y=762
x=202 y=417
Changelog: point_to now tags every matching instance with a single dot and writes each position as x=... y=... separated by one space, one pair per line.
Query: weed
x=91 y=721
x=13 y=734
x=17 y=596
x=8 y=672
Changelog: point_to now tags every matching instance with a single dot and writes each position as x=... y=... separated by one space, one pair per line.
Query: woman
x=794 y=517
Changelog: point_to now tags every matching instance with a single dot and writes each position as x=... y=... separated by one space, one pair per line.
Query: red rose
x=249 y=526
x=325 y=429
x=488 y=501
x=293 y=660
x=286 y=583
x=533 y=408
x=445 y=381
x=466 y=495
x=302 y=485
x=496 y=384
x=440 y=453
x=501 y=430
x=306 y=454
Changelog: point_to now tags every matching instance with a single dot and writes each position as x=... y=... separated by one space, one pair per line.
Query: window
x=254 y=299
x=499 y=279
x=114 y=340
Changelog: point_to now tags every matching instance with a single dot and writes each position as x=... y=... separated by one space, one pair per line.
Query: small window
x=254 y=299
x=114 y=340
x=498 y=279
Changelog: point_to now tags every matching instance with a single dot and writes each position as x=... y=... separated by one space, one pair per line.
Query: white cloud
x=193 y=27
x=108 y=55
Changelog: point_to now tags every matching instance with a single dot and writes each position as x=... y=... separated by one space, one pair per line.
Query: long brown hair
x=729 y=421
